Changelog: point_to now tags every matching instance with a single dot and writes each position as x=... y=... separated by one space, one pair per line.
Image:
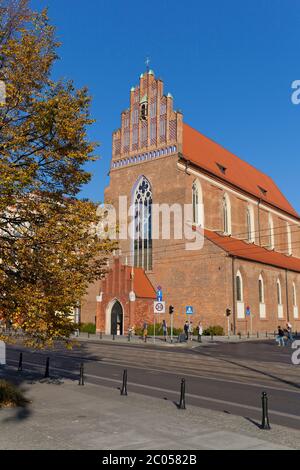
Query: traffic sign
x=248 y=311
x=189 y=310
x=159 y=307
x=159 y=295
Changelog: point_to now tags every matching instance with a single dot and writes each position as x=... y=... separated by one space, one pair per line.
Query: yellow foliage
x=48 y=253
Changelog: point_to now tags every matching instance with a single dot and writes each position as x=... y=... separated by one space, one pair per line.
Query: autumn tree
x=48 y=251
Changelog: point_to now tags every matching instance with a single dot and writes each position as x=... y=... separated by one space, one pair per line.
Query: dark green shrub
x=10 y=395
x=216 y=330
x=158 y=330
x=87 y=328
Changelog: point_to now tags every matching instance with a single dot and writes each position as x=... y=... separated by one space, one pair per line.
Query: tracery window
x=143 y=224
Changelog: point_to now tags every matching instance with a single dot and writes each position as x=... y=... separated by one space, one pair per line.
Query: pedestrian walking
x=145 y=331
x=191 y=331
x=289 y=332
x=186 y=330
x=200 y=330
x=280 y=336
x=165 y=330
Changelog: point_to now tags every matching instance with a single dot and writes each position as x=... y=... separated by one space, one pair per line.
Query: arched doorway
x=116 y=319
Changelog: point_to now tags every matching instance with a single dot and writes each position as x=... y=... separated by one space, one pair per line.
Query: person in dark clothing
x=186 y=330
x=280 y=336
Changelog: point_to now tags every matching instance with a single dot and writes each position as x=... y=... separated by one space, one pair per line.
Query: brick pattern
x=137 y=135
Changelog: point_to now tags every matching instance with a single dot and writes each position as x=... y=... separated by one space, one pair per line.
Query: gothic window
x=250 y=224
x=279 y=296
x=289 y=239
x=239 y=287
x=271 y=232
x=226 y=215
x=143 y=224
x=294 y=295
x=261 y=290
x=197 y=204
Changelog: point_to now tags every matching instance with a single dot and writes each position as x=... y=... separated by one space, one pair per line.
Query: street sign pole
x=154 y=326
x=228 y=325
x=172 y=328
x=251 y=329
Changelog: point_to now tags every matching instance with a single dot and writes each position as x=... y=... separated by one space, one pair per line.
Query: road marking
x=186 y=374
x=191 y=395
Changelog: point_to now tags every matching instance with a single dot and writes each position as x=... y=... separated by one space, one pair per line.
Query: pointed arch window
x=240 y=306
x=294 y=295
x=289 y=239
x=271 y=233
x=279 y=294
x=197 y=204
x=295 y=305
x=261 y=290
x=261 y=294
x=142 y=200
x=279 y=300
x=250 y=224
x=226 y=215
x=239 y=287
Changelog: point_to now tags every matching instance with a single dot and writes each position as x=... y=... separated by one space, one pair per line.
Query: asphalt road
x=225 y=377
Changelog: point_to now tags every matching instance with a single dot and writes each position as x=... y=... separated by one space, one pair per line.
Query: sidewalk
x=159 y=340
x=64 y=415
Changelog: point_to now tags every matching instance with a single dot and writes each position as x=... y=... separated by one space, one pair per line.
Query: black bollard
x=129 y=337
x=240 y=336
x=20 y=367
x=211 y=337
x=265 y=424
x=182 y=395
x=266 y=334
x=274 y=334
x=124 y=385
x=248 y=335
x=257 y=335
x=81 y=376
x=88 y=335
x=47 y=368
x=113 y=336
x=100 y=334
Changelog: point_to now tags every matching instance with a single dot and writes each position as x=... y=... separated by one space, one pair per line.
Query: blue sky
x=228 y=64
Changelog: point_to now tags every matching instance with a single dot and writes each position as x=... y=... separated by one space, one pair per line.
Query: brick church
x=250 y=258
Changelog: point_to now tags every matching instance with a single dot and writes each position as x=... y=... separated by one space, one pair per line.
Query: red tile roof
x=210 y=156
x=141 y=283
x=249 y=251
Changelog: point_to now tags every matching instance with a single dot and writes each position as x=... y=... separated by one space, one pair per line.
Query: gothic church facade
x=250 y=258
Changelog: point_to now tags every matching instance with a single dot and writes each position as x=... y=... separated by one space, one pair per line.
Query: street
x=224 y=377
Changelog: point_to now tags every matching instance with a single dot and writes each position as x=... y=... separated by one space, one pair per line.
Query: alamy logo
x=151 y=221
x=2 y=93
x=296 y=94
x=296 y=354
